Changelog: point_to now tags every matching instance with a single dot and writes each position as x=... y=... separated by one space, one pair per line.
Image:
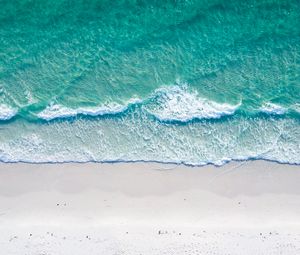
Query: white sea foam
x=167 y=103
x=54 y=111
x=58 y=111
x=6 y=112
x=177 y=103
x=296 y=107
x=271 y=108
x=131 y=139
x=172 y=103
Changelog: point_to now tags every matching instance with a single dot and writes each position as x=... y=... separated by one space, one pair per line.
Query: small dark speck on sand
x=57 y=204
x=179 y=234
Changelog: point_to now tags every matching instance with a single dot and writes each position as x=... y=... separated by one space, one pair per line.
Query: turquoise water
x=192 y=82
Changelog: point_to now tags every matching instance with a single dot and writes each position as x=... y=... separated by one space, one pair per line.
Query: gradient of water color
x=192 y=82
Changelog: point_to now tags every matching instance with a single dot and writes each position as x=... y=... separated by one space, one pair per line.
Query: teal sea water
x=192 y=82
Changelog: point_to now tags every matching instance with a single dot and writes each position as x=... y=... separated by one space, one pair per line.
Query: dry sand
x=147 y=208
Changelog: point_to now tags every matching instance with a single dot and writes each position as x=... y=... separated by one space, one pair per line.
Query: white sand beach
x=250 y=207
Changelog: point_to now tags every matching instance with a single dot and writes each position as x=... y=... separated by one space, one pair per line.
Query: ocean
x=192 y=82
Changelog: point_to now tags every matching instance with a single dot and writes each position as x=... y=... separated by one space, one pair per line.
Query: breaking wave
x=7 y=112
x=179 y=104
x=54 y=111
x=271 y=108
x=172 y=103
x=168 y=103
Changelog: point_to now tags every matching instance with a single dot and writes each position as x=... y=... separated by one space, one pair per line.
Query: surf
x=7 y=112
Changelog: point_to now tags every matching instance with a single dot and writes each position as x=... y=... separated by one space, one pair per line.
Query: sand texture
x=248 y=207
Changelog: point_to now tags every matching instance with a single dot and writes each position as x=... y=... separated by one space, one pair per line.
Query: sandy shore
x=148 y=208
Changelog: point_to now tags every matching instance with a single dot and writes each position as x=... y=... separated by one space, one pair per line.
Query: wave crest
x=169 y=103
x=7 y=112
x=55 y=111
x=271 y=108
x=179 y=104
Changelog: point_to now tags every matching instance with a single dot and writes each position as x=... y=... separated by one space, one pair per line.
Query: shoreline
x=129 y=208
x=184 y=164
